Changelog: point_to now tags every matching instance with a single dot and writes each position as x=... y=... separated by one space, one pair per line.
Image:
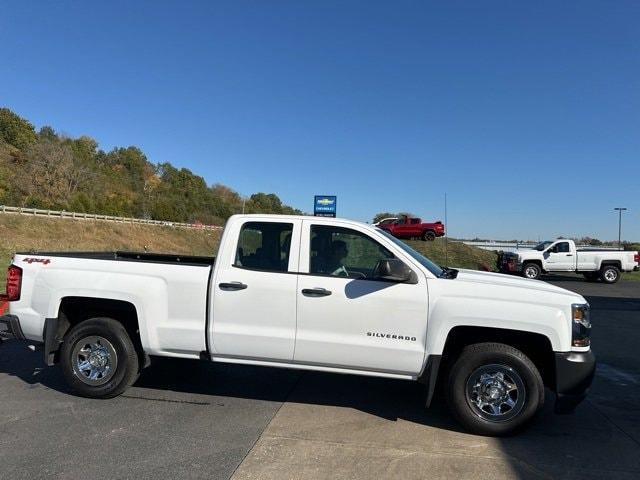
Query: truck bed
x=168 y=258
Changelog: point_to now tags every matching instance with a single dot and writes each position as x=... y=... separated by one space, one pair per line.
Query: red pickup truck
x=412 y=227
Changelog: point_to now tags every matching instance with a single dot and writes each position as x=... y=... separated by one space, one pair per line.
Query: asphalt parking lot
x=187 y=419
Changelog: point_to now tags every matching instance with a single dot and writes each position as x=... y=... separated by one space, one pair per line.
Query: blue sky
x=526 y=113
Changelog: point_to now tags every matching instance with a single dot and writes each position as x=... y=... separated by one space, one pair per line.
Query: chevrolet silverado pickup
x=563 y=256
x=309 y=293
x=413 y=227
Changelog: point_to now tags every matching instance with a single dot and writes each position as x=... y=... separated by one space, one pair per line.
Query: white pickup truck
x=315 y=294
x=563 y=256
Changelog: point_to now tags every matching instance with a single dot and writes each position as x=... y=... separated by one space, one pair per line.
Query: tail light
x=14 y=284
x=636 y=258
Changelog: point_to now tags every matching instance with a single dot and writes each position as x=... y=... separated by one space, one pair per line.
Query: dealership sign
x=324 y=205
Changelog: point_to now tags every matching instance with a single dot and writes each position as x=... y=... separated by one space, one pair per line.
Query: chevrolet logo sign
x=325 y=201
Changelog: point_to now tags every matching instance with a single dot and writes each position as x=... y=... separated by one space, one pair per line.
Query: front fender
x=455 y=311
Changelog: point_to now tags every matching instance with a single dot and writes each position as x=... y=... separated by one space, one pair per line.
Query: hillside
x=23 y=233
x=459 y=254
x=48 y=170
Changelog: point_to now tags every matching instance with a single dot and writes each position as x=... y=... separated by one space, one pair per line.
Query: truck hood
x=500 y=279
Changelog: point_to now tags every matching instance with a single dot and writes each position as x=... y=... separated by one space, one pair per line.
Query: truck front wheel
x=609 y=274
x=531 y=270
x=98 y=358
x=494 y=389
x=429 y=236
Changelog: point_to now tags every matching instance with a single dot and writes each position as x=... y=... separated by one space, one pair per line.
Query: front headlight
x=580 y=325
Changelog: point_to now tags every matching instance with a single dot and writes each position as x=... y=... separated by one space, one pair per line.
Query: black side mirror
x=394 y=270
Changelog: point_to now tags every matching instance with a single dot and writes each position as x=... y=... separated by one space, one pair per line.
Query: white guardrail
x=104 y=218
x=514 y=247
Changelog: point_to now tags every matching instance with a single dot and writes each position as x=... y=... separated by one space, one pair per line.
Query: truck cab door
x=402 y=227
x=346 y=317
x=253 y=294
x=560 y=258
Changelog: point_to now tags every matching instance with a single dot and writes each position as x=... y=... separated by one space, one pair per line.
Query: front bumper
x=574 y=374
x=10 y=328
x=508 y=263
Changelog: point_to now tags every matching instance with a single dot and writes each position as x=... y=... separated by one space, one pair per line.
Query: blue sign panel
x=324 y=205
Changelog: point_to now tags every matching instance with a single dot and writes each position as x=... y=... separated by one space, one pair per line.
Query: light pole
x=620 y=210
x=446 y=233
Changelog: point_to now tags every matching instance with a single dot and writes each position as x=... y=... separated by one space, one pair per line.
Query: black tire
x=517 y=370
x=112 y=339
x=531 y=271
x=609 y=274
x=591 y=276
x=429 y=236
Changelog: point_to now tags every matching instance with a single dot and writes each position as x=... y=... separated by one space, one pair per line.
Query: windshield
x=542 y=245
x=424 y=261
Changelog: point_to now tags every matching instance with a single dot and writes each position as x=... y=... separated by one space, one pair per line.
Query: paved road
x=183 y=419
x=339 y=427
x=199 y=420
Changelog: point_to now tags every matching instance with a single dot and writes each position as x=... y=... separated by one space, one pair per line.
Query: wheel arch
x=611 y=263
x=73 y=310
x=534 y=345
x=535 y=261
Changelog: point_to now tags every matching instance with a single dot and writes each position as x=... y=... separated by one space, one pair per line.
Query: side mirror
x=394 y=270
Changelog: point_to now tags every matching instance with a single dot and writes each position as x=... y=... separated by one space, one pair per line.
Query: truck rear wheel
x=609 y=274
x=531 y=270
x=429 y=236
x=494 y=389
x=98 y=358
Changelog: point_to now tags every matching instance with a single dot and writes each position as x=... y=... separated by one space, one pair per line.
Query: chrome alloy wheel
x=610 y=275
x=495 y=392
x=94 y=360
x=531 y=272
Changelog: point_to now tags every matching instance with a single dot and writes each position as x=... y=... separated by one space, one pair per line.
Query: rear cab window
x=264 y=246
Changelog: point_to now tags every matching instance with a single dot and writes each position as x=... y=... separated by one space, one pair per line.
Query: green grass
x=24 y=233
x=635 y=276
x=457 y=254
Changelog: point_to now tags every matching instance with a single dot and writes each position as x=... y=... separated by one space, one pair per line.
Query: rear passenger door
x=254 y=291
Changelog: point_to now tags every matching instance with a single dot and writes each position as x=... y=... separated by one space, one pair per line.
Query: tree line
x=43 y=169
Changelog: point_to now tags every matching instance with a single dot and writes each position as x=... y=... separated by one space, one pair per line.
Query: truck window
x=264 y=246
x=562 y=247
x=343 y=252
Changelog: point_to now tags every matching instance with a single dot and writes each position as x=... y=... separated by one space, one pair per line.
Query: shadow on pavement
x=388 y=399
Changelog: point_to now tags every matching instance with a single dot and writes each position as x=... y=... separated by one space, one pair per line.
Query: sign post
x=324 y=205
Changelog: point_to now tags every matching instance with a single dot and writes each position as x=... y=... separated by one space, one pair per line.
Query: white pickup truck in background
x=563 y=256
x=309 y=293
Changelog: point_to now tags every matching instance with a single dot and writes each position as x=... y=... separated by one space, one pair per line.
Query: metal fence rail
x=104 y=218
x=515 y=246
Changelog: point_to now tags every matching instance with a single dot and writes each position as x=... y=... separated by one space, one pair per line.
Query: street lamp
x=620 y=210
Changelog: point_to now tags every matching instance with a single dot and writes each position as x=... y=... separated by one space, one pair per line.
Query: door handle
x=232 y=286
x=569 y=254
x=316 y=292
